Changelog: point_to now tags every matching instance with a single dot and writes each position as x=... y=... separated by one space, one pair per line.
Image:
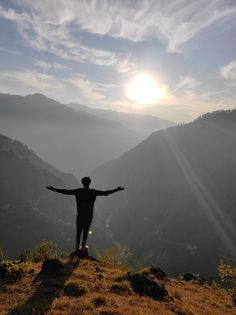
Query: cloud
x=39 y=81
x=176 y=21
x=228 y=71
x=88 y=89
x=44 y=65
x=55 y=30
x=187 y=82
x=56 y=27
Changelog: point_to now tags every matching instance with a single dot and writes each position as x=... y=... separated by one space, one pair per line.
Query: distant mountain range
x=143 y=124
x=72 y=140
x=179 y=200
x=29 y=213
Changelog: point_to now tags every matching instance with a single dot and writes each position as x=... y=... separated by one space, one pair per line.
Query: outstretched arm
x=109 y=192
x=62 y=191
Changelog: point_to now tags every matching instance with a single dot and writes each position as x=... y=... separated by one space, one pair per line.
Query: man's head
x=86 y=181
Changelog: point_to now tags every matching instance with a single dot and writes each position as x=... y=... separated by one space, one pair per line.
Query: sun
x=144 y=89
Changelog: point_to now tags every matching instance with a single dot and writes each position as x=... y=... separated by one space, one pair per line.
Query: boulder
x=51 y=267
x=145 y=286
x=157 y=272
x=192 y=276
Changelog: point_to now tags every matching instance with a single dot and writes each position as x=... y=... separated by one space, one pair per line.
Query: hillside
x=89 y=287
x=179 y=200
x=72 y=140
x=29 y=213
x=143 y=124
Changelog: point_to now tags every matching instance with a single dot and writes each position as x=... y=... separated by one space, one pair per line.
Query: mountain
x=179 y=200
x=29 y=213
x=143 y=124
x=74 y=141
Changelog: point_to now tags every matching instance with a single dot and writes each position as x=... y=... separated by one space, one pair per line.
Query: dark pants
x=83 y=223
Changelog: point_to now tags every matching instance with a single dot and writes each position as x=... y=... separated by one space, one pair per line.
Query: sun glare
x=144 y=89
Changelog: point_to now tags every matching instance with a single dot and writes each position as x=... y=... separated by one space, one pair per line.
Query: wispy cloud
x=55 y=65
x=176 y=22
x=88 y=89
x=39 y=81
x=187 y=82
x=51 y=29
x=229 y=71
x=56 y=26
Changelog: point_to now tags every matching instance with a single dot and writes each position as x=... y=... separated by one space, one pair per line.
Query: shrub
x=3 y=254
x=122 y=258
x=45 y=250
x=227 y=275
x=13 y=269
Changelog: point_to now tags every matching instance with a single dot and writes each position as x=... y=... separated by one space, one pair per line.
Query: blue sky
x=88 y=51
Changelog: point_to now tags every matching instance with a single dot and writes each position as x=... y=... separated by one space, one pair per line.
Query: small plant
x=227 y=275
x=74 y=288
x=3 y=254
x=122 y=258
x=26 y=256
x=45 y=250
x=13 y=269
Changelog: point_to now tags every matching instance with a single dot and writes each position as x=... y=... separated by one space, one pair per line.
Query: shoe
x=84 y=248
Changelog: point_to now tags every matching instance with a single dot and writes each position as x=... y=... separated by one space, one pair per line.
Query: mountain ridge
x=74 y=141
x=179 y=186
x=29 y=213
x=142 y=123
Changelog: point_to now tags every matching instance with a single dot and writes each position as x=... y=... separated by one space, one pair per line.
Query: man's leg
x=79 y=228
x=87 y=224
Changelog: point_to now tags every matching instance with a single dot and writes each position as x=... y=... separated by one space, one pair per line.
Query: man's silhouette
x=85 y=199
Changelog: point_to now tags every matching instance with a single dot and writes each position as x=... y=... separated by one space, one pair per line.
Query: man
x=85 y=199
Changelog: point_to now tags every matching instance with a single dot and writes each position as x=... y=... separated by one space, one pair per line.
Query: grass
x=177 y=295
x=81 y=291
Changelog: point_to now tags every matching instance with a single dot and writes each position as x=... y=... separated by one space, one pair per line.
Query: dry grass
x=106 y=293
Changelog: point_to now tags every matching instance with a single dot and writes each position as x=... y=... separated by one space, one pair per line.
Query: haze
x=139 y=94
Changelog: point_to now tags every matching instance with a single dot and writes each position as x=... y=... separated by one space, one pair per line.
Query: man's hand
x=120 y=188
x=50 y=188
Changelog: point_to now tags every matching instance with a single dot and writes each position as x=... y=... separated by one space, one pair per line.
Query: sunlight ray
x=224 y=227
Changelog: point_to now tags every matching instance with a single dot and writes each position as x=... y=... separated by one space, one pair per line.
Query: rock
x=99 y=301
x=192 y=276
x=145 y=286
x=101 y=276
x=92 y=258
x=120 y=289
x=157 y=272
x=51 y=266
x=79 y=254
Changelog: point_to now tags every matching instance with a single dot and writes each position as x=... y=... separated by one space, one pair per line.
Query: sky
x=91 y=52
